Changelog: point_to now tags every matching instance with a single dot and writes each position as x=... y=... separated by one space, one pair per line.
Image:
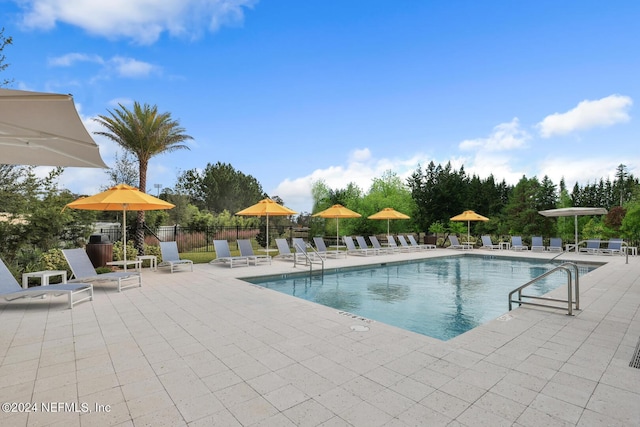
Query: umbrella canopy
x=44 y=129
x=337 y=212
x=121 y=197
x=469 y=216
x=266 y=207
x=388 y=214
x=574 y=212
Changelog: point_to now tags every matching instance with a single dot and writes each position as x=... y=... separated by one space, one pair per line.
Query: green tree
x=4 y=42
x=35 y=219
x=220 y=187
x=124 y=171
x=145 y=133
x=388 y=191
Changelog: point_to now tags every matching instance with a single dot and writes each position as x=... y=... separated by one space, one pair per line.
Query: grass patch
x=198 y=257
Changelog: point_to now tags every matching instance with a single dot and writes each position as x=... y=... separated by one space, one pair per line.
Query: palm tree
x=145 y=133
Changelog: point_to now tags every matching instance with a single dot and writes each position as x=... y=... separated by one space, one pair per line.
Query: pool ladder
x=308 y=260
x=572 y=291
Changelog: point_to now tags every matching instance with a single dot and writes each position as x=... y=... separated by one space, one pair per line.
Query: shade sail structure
x=388 y=214
x=44 y=129
x=121 y=197
x=574 y=212
x=337 y=212
x=267 y=207
x=469 y=216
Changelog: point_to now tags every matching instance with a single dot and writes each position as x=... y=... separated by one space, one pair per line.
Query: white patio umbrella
x=574 y=212
x=44 y=129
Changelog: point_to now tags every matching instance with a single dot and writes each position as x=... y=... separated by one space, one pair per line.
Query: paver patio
x=203 y=348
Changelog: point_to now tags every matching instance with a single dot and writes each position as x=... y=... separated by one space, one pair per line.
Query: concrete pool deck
x=203 y=348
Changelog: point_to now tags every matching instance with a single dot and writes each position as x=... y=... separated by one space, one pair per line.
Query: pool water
x=438 y=297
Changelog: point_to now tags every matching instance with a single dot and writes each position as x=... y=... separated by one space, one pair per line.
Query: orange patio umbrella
x=388 y=214
x=121 y=197
x=337 y=212
x=267 y=207
x=469 y=216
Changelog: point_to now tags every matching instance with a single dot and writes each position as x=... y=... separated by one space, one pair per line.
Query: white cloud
x=121 y=66
x=361 y=168
x=586 y=115
x=129 y=67
x=71 y=58
x=505 y=136
x=116 y=102
x=143 y=21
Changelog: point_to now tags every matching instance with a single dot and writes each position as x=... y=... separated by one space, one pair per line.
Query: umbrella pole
x=576 y=231
x=388 y=226
x=468 y=231
x=267 y=245
x=124 y=235
x=337 y=235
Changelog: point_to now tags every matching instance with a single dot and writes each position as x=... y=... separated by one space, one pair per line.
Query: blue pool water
x=438 y=297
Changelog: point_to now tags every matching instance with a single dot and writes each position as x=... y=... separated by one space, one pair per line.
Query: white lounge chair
x=405 y=245
x=300 y=247
x=414 y=243
x=362 y=244
x=555 y=245
x=455 y=243
x=592 y=248
x=353 y=250
x=82 y=271
x=321 y=248
x=488 y=244
x=223 y=255
x=171 y=257
x=376 y=245
x=516 y=244
x=536 y=244
x=284 y=250
x=613 y=247
x=246 y=250
x=391 y=242
x=11 y=290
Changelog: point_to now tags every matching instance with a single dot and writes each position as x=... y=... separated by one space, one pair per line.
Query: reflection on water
x=441 y=298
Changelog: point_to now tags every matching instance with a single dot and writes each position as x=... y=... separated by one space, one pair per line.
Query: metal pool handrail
x=575 y=290
x=303 y=251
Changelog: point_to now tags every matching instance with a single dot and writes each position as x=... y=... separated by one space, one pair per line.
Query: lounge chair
x=455 y=243
x=223 y=255
x=555 y=245
x=517 y=245
x=321 y=248
x=415 y=244
x=391 y=242
x=362 y=244
x=82 y=271
x=406 y=246
x=487 y=243
x=246 y=250
x=536 y=244
x=592 y=248
x=11 y=290
x=353 y=250
x=284 y=250
x=171 y=257
x=376 y=245
x=301 y=247
x=613 y=247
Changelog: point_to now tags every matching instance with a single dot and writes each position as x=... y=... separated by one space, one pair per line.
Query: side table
x=44 y=277
x=153 y=261
x=137 y=264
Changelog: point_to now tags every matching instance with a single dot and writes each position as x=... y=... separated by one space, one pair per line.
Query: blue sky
x=296 y=91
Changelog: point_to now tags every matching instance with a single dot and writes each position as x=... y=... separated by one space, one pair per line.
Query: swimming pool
x=439 y=297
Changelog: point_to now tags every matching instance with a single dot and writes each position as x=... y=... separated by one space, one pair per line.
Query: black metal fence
x=201 y=240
